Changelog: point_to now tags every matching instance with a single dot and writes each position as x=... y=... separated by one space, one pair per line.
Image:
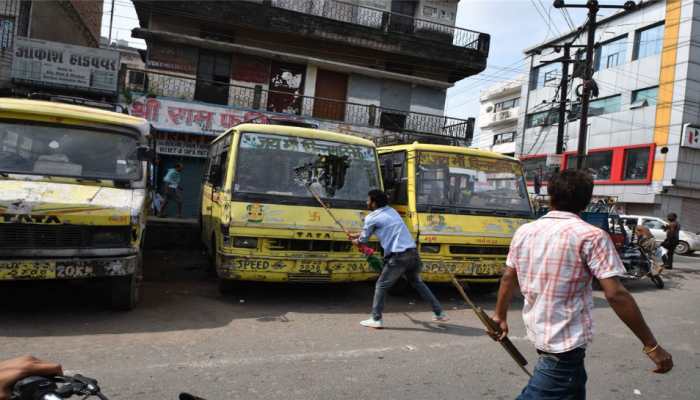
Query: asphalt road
x=279 y=342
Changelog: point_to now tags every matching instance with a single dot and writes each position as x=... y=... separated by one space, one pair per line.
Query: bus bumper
x=69 y=268
x=279 y=269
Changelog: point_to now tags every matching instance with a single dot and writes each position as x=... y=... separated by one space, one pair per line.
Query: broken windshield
x=62 y=150
x=278 y=165
x=475 y=183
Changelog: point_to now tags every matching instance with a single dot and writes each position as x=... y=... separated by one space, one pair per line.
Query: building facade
x=40 y=40
x=372 y=68
x=641 y=147
x=498 y=117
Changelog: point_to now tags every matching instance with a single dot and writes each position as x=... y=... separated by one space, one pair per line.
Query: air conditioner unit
x=503 y=115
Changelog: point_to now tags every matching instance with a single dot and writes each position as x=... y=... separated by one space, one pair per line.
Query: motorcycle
x=64 y=387
x=639 y=262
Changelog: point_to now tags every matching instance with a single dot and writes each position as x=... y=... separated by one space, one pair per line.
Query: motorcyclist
x=15 y=369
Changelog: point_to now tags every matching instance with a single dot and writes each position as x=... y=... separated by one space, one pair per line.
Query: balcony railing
x=387 y=21
x=341 y=112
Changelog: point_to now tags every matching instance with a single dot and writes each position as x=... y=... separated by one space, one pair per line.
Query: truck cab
x=72 y=195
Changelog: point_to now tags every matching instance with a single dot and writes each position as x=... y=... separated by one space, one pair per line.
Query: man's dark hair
x=570 y=190
x=178 y=166
x=378 y=197
x=672 y=217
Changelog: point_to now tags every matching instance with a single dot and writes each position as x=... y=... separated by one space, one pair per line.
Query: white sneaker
x=372 y=323
x=442 y=317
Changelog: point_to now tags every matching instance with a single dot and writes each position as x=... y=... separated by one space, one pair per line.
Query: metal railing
x=387 y=21
x=341 y=112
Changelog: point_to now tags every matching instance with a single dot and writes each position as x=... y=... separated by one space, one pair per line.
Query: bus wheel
x=125 y=291
x=483 y=288
x=211 y=257
x=227 y=286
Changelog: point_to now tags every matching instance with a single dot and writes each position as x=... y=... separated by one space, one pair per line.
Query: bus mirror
x=144 y=153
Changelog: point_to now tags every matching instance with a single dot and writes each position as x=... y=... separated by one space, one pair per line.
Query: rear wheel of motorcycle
x=658 y=282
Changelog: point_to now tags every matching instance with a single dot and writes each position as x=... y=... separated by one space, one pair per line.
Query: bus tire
x=125 y=291
x=226 y=287
x=400 y=288
x=211 y=257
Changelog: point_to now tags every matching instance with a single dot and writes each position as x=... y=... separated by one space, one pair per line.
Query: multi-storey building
x=41 y=42
x=642 y=147
x=371 y=68
x=498 y=118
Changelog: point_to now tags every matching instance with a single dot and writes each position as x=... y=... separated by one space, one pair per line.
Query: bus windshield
x=470 y=183
x=268 y=164
x=61 y=150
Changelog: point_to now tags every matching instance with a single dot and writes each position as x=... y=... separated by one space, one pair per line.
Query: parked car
x=689 y=242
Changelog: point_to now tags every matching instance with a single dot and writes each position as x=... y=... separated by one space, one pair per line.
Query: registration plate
x=469 y=268
x=11 y=270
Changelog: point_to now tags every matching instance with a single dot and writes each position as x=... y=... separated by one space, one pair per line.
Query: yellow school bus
x=72 y=195
x=260 y=223
x=462 y=205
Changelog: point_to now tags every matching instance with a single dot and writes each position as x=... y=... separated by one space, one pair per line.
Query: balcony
x=367 y=119
x=329 y=29
x=387 y=22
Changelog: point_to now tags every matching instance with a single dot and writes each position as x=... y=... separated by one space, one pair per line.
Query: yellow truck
x=72 y=195
x=462 y=205
x=260 y=223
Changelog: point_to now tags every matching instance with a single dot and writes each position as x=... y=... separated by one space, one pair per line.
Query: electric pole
x=563 y=96
x=588 y=83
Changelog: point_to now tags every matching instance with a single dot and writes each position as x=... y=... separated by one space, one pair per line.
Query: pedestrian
x=537 y=181
x=673 y=230
x=554 y=260
x=400 y=257
x=172 y=189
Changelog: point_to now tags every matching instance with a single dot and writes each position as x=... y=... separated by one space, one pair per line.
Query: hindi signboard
x=52 y=64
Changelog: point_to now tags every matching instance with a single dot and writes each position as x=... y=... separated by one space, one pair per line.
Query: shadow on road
x=178 y=295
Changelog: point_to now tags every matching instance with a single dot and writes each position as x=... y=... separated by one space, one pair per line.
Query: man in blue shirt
x=400 y=256
x=172 y=189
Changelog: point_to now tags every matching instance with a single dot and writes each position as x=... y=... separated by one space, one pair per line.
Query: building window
x=599 y=163
x=506 y=105
x=605 y=105
x=213 y=77
x=506 y=137
x=611 y=54
x=546 y=75
x=647 y=95
x=542 y=118
x=648 y=41
x=533 y=165
x=637 y=164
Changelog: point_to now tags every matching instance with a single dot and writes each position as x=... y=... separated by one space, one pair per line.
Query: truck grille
x=32 y=236
x=486 y=250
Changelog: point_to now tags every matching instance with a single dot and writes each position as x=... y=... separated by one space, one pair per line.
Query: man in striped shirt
x=554 y=260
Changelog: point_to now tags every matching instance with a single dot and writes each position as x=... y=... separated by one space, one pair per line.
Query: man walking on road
x=400 y=257
x=173 y=190
x=554 y=260
x=673 y=231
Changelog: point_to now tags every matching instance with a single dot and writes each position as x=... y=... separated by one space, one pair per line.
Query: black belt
x=412 y=250
x=567 y=354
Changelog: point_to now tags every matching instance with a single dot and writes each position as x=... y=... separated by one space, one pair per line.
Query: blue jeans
x=558 y=377
x=403 y=264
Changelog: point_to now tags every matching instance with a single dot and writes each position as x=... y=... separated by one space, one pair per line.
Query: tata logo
x=30 y=219
x=313 y=235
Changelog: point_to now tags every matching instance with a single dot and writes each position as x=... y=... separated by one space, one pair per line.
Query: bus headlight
x=245 y=242
x=430 y=248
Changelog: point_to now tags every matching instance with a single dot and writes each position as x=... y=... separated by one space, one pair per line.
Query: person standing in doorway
x=400 y=257
x=537 y=181
x=673 y=231
x=172 y=189
x=554 y=260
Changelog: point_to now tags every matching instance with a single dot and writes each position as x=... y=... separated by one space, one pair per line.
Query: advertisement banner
x=201 y=119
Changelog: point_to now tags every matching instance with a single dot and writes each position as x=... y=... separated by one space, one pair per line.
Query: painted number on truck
x=74 y=271
x=27 y=270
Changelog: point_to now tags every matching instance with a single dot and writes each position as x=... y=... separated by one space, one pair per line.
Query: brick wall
x=90 y=11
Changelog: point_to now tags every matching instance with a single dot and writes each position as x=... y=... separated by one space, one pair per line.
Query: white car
x=689 y=242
